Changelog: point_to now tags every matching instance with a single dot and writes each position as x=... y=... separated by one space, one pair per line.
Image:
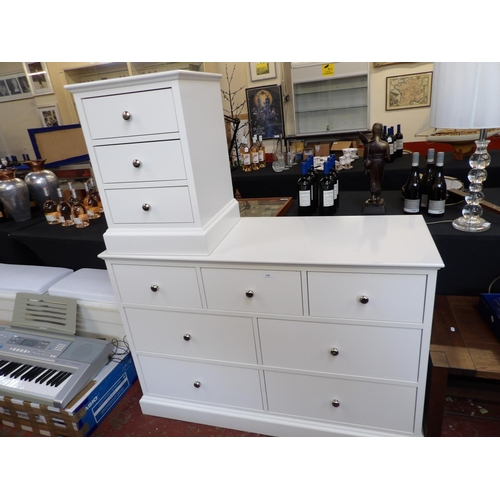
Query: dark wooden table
x=462 y=343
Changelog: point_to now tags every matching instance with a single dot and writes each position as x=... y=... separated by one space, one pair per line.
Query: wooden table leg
x=437 y=379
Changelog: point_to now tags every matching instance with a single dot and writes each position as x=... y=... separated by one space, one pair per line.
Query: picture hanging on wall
x=49 y=115
x=14 y=86
x=265 y=111
x=408 y=91
x=38 y=77
x=262 y=71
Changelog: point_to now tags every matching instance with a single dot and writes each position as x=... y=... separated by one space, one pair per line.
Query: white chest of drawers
x=314 y=326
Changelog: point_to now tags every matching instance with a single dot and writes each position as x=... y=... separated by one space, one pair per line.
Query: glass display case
x=264 y=207
x=330 y=97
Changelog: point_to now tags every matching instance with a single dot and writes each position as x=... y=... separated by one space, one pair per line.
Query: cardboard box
x=337 y=147
x=82 y=416
x=322 y=149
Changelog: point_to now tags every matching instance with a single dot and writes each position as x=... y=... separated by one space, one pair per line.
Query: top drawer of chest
x=131 y=114
x=379 y=297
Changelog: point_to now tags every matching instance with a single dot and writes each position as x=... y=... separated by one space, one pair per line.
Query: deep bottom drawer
x=202 y=382
x=361 y=403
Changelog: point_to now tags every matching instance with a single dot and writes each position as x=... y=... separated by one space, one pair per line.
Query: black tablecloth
x=38 y=243
x=267 y=183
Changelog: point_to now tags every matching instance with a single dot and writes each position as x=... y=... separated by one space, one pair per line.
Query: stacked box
x=82 y=416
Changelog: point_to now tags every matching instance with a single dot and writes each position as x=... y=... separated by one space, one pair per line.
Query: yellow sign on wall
x=328 y=69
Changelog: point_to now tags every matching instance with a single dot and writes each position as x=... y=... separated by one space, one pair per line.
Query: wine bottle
x=245 y=156
x=383 y=136
x=327 y=190
x=314 y=184
x=262 y=153
x=50 y=208
x=304 y=191
x=398 y=139
x=390 y=141
x=411 y=191
x=427 y=178
x=95 y=193
x=90 y=204
x=254 y=154
x=437 y=191
x=335 y=176
x=64 y=211
x=78 y=211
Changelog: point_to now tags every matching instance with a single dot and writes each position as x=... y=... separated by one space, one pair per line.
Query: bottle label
x=399 y=144
x=255 y=157
x=391 y=148
x=423 y=200
x=336 y=190
x=436 y=207
x=304 y=199
x=412 y=206
x=246 y=159
x=261 y=156
x=328 y=198
x=51 y=217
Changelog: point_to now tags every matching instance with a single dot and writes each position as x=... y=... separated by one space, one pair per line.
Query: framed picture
x=265 y=111
x=49 y=115
x=14 y=86
x=408 y=91
x=38 y=77
x=262 y=71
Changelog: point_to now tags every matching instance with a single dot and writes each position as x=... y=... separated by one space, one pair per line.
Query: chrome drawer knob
x=249 y=293
x=154 y=288
x=364 y=299
x=137 y=163
x=187 y=337
x=334 y=351
x=126 y=115
x=335 y=403
x=146 y=207
x=197 y=384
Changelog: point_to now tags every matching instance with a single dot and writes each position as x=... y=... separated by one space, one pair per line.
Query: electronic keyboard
x=40 y=361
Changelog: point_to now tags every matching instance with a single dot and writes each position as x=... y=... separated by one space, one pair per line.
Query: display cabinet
x=330 y=97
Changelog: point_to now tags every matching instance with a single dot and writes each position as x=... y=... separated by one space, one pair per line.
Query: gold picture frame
x=408 y=91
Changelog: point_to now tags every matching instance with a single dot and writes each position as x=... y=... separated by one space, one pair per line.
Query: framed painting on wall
x=262 y=71
x=14 y=86
x=49 y=115
x=408 y=91
x=265 y=111
x=38 y=77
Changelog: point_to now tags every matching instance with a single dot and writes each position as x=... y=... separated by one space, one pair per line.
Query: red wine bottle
x=327 y=191
x=411 y=190
x=437 y=192
x=304 y=191
x=398 y=140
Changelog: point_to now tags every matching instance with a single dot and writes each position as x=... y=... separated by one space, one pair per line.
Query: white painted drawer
x=245 y=290
x=141 y=162
x=225 y=338
x=218 y=384
x=366 y=351
x=361 y=403
x=150 y=205
x=175 y=286
x=391 y=297
x=151 y=112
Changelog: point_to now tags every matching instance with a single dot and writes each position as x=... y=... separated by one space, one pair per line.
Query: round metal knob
x=137 y=163
x=364 y=299
x=154 y=288
x=126 y=115
x=187 y=337
x=336 y=403
x=334 y=351
x=197 y=384
x=146 y=207
x=249 y=293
